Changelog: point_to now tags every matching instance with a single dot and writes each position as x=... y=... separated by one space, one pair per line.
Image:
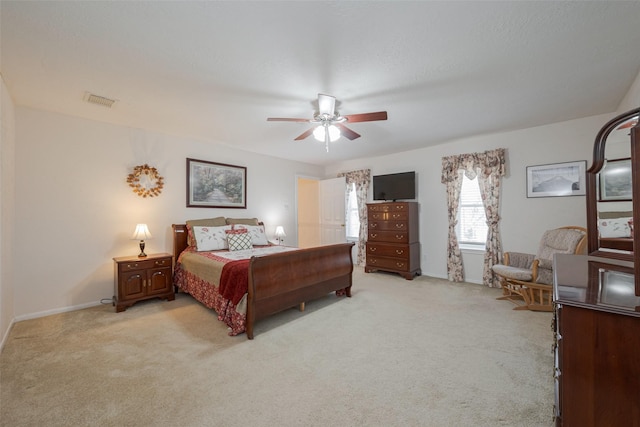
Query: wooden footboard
x=281 y=281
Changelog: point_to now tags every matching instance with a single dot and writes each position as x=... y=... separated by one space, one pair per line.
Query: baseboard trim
x=439 y=276
x=55 y=311
x=6 y=334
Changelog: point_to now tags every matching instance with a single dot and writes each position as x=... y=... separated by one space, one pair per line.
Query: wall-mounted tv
x=395 y=186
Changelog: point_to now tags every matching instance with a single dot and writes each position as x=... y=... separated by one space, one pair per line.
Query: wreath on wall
x=145 y=181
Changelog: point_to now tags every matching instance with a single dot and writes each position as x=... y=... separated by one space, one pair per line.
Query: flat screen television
x=395 y=186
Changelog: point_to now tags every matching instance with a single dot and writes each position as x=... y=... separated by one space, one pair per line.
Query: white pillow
x=210 y=238
x=258 y=236
x=615 y=227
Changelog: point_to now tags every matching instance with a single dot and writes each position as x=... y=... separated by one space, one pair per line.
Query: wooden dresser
x=393 y=239
x=597 y=344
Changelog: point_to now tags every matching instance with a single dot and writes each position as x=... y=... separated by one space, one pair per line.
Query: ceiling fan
x=329 y=125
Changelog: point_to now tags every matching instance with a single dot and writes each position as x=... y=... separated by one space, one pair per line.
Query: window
x=352 y=217
x=472 y=224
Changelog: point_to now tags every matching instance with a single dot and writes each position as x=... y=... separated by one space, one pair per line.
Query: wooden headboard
x=179 y=240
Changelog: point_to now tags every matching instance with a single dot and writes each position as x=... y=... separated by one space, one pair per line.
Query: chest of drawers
x=393 y=238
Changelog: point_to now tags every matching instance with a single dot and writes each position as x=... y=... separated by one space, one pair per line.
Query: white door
x=332 y=211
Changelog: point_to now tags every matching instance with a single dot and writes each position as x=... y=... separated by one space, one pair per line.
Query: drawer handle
x=399 y=236
x=400 y=207
x=374 y=235
x=144 y=283
x=373 y=261
x=396 y=216
x=160 y=262
x=373 y=224
x=132 y=265
x=400 y=225
x=399 y=251
x=400 y=264
x=372 y=249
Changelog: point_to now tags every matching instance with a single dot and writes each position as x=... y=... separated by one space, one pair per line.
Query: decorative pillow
x=210 y=238
x=245 y=221
x=258 y=236
x=207 y=222
x=615 y=227
x=238 y=240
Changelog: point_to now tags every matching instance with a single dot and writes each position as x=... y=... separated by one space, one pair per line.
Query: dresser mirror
x=612 y=192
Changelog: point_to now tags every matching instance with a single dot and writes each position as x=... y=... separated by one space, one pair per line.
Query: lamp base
x=142 y=254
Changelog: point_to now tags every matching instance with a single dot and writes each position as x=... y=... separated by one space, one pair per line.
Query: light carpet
x=426 y=352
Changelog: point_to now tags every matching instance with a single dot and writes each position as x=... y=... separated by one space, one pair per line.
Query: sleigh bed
x=242 y=291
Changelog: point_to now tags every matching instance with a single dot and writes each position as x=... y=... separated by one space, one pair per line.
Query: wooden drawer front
x=390 y=263
x=388 y=216
x=388 y=207
x=143 y=265
x=395 y=251
x=389 y=236
x=388 y=226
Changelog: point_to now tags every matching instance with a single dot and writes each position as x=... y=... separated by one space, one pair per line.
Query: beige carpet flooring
x=426 y=352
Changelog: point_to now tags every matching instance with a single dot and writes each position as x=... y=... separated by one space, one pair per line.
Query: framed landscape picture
x=615 y=181
x=557 y=179
x=216 y=185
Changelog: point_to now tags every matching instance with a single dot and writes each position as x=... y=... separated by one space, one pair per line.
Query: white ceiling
x=217 y=70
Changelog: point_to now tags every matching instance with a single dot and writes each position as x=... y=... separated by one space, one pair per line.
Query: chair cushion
x=558 y=241
x=513 y=272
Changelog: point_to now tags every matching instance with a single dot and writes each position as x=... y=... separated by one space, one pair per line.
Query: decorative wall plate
x=145 y=181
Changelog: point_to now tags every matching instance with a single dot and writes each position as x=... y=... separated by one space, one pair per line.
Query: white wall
x=632 y=98
x=523 y=220
x=75 y=211
x=7 y=181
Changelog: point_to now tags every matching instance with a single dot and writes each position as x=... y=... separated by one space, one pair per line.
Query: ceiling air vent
x=100 y=100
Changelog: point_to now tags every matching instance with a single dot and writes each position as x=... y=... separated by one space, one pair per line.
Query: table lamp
x=141 y=233
x=280 y=235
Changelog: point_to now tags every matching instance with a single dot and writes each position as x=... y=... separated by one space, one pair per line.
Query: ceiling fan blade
x=304 y=134
x=326 y=104
x=366 y=117
x=346 y=132
x=285 y=119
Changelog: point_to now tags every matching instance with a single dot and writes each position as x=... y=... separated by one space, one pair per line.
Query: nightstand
x=137 y=279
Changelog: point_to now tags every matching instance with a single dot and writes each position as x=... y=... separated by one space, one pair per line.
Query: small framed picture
x=216 y=185
x=615 y=181
x=557 y=179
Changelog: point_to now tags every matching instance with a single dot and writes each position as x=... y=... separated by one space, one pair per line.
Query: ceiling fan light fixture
x=319 y=133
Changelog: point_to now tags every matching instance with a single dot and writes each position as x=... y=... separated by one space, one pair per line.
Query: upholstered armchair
x=527 y=279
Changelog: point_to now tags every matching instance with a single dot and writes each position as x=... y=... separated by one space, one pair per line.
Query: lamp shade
x=280 y=232
x=141 y=233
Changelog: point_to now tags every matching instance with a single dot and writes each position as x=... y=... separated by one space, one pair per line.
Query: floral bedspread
x=219 y=280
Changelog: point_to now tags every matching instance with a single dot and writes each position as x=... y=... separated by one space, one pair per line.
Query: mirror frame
x=592 y=196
